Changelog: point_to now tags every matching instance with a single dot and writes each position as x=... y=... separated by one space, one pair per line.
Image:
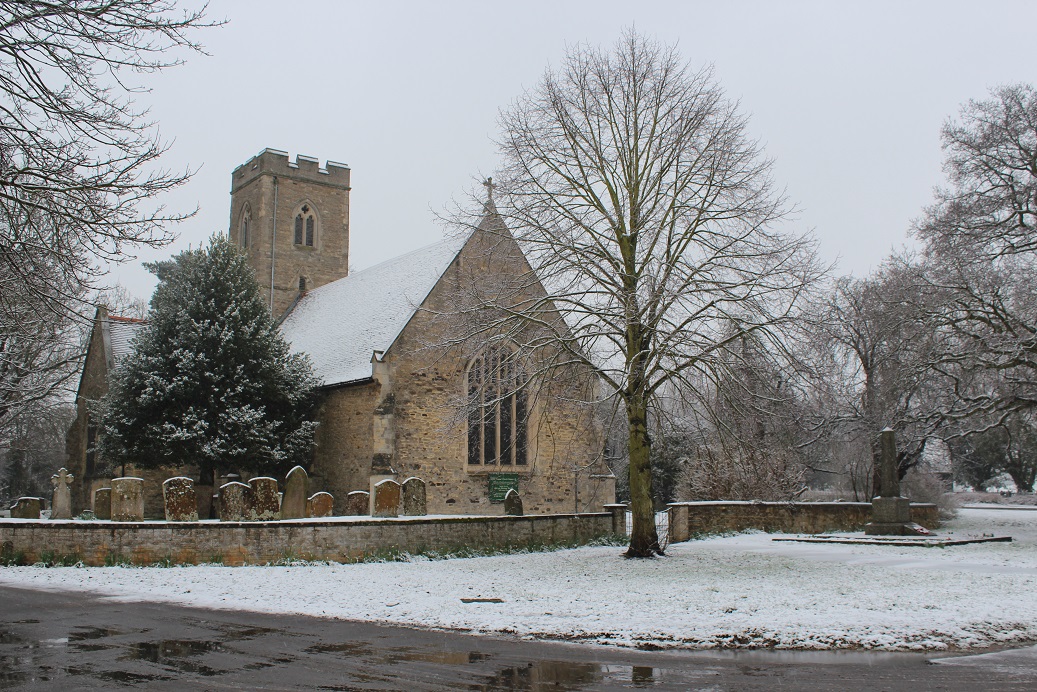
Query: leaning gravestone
x=890 y=513
x=128 y=499
x=266 y=501
x=61 y=500
x=414 y=497
x=27 y=508
x=513 y=503
x=358 y=503
x=103 y=503
x=386 y=498
x=179 y=499
x=234 y=501
x=320 y=505
x=296 y=489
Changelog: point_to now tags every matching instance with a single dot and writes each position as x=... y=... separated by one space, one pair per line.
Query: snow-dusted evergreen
x=210 y=381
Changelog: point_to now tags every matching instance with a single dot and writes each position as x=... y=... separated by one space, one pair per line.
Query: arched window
x=245 y=226
x=305 y=226
x=498 y=409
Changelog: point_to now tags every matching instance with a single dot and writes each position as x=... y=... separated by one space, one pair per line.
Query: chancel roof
x=340 y=325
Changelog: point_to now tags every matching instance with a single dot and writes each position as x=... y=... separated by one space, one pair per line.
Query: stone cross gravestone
x=179 y=499
x=128 y=499
x=61 y=500
x=27 y=508
x=296 y=490
x=513 y=503
x=414 y=497
x=234 y=501
x=358 y=503
x=890 y=513
x=321 y=505
x=266 y=501
x=387 y=498
x=103 y=503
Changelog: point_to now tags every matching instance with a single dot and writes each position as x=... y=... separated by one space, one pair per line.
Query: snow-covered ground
x=734 y=591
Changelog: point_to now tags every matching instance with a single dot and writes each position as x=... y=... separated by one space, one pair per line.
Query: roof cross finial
x=489 y=189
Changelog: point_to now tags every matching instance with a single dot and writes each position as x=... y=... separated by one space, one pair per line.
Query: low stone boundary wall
x=688 y=519
x=261 y=542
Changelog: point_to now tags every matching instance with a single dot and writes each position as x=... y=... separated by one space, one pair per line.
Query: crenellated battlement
x=278 y=163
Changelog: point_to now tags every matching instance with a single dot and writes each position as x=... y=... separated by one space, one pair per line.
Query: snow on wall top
x=341 y=324
x=122 y=330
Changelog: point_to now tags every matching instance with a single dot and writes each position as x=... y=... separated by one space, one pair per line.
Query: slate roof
x=121 y=331
x=341 y=324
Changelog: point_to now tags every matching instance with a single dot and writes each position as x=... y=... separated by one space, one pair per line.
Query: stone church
x=401 y=395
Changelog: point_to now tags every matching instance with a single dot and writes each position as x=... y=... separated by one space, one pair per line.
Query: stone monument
x=128 y=499
x=296 y=491
x=234 y=501
x=386 y=498
x=890 y=513
x=27 y=508
x=414 y=497
x=61 y=500
x=265 y=500
x=179 y=499
x=513 y=503
x=320 y=505
x=103 y=503
x=358 y=503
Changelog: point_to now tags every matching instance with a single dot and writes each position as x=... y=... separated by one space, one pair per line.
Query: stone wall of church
x=342 y=459
x=92 y=386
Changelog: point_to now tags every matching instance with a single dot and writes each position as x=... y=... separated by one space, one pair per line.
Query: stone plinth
x=179 y=499
x=296 y=490
x=513 y=503
x=265 y=500
x=320 y=505
x=414 y=497
x=889 y=516
x=234 y=501
x=386 y=499
x=61 y=500
x=103 y=503
x=128 y=499
x=358 y=503
x=27 y=508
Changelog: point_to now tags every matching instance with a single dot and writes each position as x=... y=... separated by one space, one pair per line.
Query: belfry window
x=246 y=223
x=305 y=226
x=498 y=410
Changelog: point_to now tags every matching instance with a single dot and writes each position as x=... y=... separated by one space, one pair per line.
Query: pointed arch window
x=245 y=226
x=498 y=410
x=305 y=226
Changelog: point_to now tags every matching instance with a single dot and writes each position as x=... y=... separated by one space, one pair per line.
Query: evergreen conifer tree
x=210 y=381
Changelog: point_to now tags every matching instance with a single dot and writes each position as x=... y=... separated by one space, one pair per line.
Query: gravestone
x=103 y=503
x=358 y=503
x=179 y=499
x=234 y=501
x=386 y=498
x=890 y=513
x=320 y=505
x=513 y=503
x=266 y=502
x=27 y=508
x=61 y=500
x=296 y=490
x=414 y=497
x=127 y=499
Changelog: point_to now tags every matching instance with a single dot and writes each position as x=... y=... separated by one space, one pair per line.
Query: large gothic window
x=498 y=410
x=305 y=226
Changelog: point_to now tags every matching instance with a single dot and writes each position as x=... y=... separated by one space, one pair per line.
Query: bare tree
x=648 y=214
x=78 y=160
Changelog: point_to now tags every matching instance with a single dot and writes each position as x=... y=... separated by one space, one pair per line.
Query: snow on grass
x=734 y=591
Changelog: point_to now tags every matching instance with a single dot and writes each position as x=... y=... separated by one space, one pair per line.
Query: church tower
x=291 y=218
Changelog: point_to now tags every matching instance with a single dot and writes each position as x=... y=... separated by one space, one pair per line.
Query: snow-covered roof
x=121 y=331
x=341 y=324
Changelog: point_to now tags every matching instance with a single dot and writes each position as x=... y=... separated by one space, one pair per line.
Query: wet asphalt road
x=77 y=641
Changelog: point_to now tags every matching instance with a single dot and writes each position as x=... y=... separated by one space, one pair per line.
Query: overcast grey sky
x=847 y=97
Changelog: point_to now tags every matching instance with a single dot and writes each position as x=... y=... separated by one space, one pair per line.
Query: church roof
x=341 y=324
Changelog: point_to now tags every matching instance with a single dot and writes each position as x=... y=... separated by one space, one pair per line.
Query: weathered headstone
x=179 y=499
x=266 y=501
x=890 y=513
x=27 y=508
x=414 y=497
x=513 y=503
x=103 y=503
x=128 y=499
x=296 y=491
x=358 y=503
x=234 y=501
x=320 y=505
x=386 y=498
x=61 y=500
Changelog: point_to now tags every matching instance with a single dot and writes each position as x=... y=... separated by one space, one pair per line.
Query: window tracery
x=498 y=410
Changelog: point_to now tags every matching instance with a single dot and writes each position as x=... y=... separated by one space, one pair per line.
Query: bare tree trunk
x=644 y=540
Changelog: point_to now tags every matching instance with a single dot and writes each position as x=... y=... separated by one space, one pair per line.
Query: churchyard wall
x=262 y=542
x=689 y=519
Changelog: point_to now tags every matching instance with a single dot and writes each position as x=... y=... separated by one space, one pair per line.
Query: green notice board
x=501 y=483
